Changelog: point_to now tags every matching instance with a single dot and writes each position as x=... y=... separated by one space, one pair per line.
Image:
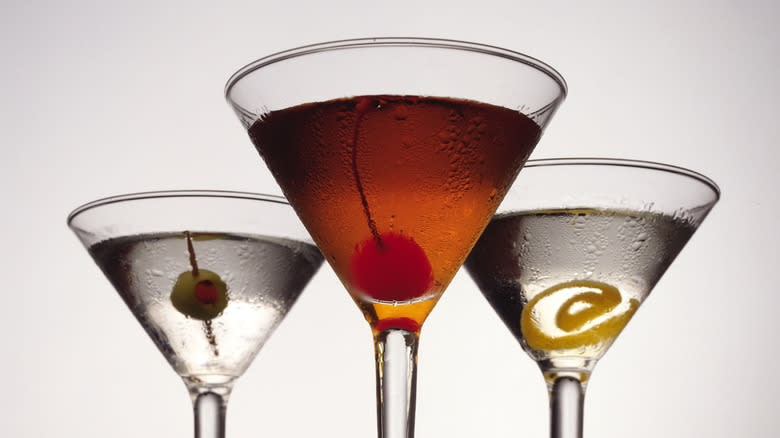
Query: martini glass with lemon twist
x=574 y=249
x=395 y=153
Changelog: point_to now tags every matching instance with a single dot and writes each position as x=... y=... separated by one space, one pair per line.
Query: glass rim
x=400 y=42
x=624 y=162
x=226 y=194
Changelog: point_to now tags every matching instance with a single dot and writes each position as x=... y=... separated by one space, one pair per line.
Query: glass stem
x=566 y=406
x=396 y=382
x=210 y=405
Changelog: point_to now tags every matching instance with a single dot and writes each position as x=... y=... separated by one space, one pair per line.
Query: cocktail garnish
x=206 y=292
x=591 y=300
x=389 y=266
x=396 y=269
x=363 y=106
x=199 y=293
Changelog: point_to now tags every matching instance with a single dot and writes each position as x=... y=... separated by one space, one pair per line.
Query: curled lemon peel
x=599 y=299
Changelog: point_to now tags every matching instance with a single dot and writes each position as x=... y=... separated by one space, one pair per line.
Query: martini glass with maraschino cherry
x=395 y=152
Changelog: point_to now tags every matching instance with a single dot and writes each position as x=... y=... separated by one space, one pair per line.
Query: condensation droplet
x=401 y=112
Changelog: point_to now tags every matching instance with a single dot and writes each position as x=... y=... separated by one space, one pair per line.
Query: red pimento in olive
x=206 y=292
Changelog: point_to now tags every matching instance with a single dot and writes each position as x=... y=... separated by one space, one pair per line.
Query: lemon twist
x=600 y=299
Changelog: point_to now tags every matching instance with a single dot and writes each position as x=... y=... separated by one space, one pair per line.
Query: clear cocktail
x=574 y=250
x=209 y=275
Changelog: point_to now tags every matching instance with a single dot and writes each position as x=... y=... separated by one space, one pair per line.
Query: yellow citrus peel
x=593 y=300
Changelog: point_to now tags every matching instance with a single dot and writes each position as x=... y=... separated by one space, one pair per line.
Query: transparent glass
x=395 y=153
x=208 y=274
x=571 y=254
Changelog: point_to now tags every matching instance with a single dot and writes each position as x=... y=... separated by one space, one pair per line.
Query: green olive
x=202 y=296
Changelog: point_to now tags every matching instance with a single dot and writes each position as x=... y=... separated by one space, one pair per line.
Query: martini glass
x=209 y=275
x=575 y=248
x=395 y=152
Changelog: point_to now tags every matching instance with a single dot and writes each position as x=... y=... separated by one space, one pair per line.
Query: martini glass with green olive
x=208 y=274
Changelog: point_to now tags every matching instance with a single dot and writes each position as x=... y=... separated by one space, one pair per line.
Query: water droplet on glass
x=401 y=112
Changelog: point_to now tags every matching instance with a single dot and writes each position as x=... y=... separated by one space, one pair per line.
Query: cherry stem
x=362 y=107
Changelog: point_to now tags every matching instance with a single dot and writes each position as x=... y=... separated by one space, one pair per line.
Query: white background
x=100 y=98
